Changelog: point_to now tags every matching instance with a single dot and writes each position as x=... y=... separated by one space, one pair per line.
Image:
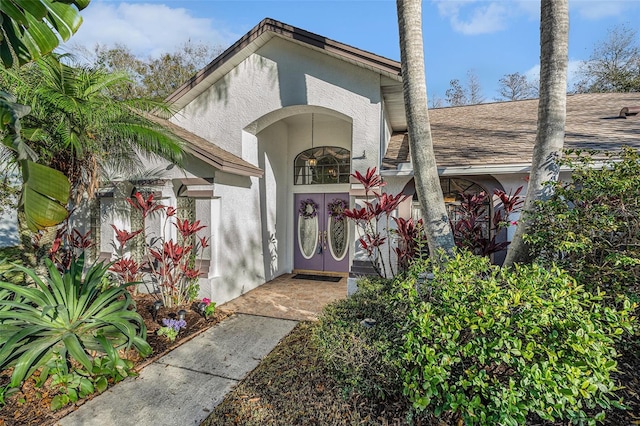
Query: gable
x=258 y=37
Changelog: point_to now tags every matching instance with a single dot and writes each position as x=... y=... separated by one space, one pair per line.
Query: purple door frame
x=322 y=259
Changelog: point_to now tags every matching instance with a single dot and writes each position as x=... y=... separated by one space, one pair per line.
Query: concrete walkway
x=182 y=387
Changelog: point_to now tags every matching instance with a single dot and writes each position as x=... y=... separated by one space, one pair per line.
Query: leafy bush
x=355 y=352
x=65 y=314
x=591 y=225
x=495 y=346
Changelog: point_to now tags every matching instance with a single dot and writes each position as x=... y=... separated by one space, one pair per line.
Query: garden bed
x=31 y=405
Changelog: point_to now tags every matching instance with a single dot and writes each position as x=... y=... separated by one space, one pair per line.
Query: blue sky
x=492 y=38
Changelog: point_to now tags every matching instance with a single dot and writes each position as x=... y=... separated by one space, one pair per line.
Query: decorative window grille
x=322 y=165
x=452 y=188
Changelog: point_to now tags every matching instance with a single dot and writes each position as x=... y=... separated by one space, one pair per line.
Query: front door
x=321 y=232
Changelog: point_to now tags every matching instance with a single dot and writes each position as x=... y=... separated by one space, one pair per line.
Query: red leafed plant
x=373 y=225
x=68 y=245
x=171 y=265
x=470 y=230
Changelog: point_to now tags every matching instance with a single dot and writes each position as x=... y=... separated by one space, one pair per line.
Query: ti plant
x=472 y=213
x=373 y=221
x=172 y=265
x=65 y=313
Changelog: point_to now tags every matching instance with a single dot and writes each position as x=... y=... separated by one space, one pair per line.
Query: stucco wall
x=246 y=112
x=279 y=75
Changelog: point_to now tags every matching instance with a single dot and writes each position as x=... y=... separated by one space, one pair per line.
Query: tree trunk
x=425 y=171
x=552 y=112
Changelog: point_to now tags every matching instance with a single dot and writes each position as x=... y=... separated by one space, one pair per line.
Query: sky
x=491 y=38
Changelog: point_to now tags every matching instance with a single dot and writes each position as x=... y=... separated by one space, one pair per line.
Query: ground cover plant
x=355 y=336
x=294 y=386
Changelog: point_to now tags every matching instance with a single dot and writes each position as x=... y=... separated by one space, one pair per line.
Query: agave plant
x=66 y=313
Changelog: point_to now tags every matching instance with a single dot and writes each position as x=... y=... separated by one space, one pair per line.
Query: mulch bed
x=30 y=405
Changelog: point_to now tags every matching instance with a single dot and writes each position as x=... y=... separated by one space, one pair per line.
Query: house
x=275 y=125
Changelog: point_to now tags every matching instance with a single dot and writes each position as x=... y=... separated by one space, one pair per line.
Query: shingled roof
x=504 y=133
x=208 y=151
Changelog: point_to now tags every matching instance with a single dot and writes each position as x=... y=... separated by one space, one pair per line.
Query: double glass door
x=321 y=232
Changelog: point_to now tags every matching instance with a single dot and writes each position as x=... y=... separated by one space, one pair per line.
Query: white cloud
x=146 y=28
x=533 y=73
x=469 y=18
x=594 y=9
x=531 y=8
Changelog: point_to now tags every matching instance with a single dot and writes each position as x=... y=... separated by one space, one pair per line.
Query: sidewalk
x=182 y=387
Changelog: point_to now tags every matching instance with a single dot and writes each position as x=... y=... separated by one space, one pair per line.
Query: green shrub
x=357 y=353
x=65 y=314
x=496 y=346
x=591 y=225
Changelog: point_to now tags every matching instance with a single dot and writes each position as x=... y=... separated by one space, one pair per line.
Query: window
x=452 y=188
x=322 y=165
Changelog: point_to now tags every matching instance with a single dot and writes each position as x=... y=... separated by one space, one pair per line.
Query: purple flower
x=173 y=323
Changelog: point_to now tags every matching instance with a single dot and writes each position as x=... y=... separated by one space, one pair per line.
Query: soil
x=30 y=405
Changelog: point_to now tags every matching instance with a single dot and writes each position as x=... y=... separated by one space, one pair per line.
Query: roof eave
x=406 y=169
x=223 y=165
x=257 y=37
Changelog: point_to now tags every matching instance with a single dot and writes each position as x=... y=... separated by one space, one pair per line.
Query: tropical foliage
x=373 y=223
x=172 y=266
x=28 y=30
x=34 y=28
x=67 y=315
x=78 y=127
x=591 y=225
x=472 y=214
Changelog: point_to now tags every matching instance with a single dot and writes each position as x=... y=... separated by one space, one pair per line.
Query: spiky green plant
x=65 y=313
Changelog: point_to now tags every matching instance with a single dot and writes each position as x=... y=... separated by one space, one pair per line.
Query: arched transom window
x=452 y=190
x=322 y=165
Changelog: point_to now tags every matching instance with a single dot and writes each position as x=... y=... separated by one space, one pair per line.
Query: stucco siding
x=240 y=251
x=283 y=74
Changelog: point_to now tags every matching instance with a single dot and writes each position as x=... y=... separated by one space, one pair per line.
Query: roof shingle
x=504 y=133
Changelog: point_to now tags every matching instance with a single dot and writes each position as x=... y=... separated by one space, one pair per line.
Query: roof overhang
x=258 y=37
x=406 y=169
x=222 y=164
x=207 y=151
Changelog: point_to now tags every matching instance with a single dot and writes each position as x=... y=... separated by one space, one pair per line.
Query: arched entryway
x=305 y=152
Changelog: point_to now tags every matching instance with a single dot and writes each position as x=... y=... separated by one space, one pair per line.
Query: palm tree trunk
x=425 y=171
x=552 y=112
